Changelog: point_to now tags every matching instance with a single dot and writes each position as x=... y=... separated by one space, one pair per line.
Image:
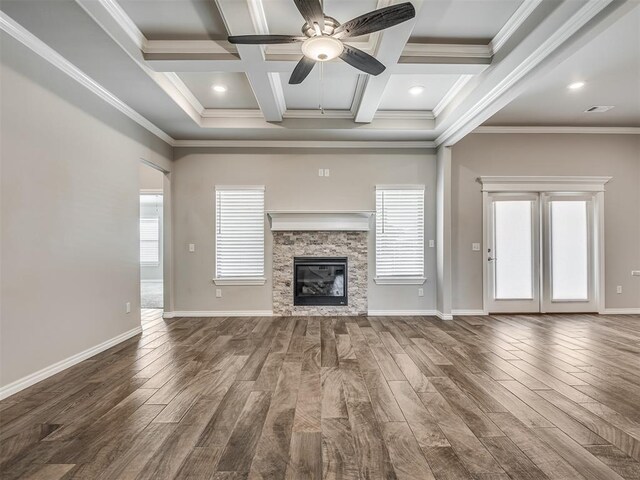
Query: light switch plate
x=475 y=247
x=432 y=243
x=321 y=172
x=218 y=293
x=127 y=307
x=619 y=289
x=326 y=172
x=192 y=247
x=421 y=292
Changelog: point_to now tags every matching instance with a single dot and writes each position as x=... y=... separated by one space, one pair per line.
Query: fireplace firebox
x=320 y=281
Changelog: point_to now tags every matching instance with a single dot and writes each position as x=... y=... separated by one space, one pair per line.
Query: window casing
x=400 y=234
x=239 y=235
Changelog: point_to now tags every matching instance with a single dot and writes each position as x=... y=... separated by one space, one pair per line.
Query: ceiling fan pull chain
x=321 y=106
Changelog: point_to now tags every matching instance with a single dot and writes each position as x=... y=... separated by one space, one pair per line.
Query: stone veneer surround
x=287 y=245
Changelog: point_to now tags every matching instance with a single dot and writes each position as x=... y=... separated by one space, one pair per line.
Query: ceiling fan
x=324 y=37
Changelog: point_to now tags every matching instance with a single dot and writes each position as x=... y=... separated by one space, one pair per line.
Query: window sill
x=400 y=280
x=240 y=281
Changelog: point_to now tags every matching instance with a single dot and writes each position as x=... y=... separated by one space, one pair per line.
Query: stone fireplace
x=312 y=241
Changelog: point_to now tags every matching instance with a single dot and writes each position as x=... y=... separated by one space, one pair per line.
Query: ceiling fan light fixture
x=322 y=49
x=416 y=90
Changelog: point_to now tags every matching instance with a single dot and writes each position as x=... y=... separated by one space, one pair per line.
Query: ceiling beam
x=559 y=30
x=389 y=50
x=266 y=85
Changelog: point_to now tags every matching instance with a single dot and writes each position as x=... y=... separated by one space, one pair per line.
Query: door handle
x=491 y=259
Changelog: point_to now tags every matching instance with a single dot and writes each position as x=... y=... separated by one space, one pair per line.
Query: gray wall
x=69 y=215
x=617 y=156
x=292 y=183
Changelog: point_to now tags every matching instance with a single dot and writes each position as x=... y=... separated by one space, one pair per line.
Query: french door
x=540 y=252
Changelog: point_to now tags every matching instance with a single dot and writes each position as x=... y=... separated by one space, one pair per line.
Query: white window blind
x=239 y=232
x=400 y=232
x=150 y=241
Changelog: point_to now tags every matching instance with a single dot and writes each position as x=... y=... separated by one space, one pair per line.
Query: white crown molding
x=406 y=114
x=420 y=145
x=57 y=367
x=185 y=92
x=317 y=114
x=564 y=129
x=523 y=12
x=622 y=311
x=231 y=113
x=32 y=42
x=446 y=50
x=451 y=94
x=196 y=47
x=218 y=313
x=545 y=49
x=125 y=22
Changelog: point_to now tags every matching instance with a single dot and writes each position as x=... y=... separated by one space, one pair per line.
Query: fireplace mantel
x=320 y=221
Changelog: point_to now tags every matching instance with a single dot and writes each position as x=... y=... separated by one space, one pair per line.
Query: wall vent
x=599 y=109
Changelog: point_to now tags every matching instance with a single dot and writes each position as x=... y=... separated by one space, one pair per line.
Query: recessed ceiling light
x=575 y=85
x=417 y=90
x=219 y=88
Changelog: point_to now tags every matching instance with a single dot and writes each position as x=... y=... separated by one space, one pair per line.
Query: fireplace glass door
x=320 y=281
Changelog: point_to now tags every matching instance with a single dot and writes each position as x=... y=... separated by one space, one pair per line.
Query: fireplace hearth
x=320 y=281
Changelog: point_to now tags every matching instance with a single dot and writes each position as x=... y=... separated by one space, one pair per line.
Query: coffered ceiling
x=162 y=58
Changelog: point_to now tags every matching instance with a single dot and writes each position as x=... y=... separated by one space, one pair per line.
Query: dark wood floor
x=498 y=397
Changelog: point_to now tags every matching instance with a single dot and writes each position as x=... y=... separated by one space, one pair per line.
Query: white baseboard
x=474 y=313
x=57 y=367
x=622 y=311
x=219 y=313
x=409 y=313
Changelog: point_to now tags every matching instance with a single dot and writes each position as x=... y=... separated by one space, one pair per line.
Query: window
x=150 y=241
x=239 y=235
x=400 y=234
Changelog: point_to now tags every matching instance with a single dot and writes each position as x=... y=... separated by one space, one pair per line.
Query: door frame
x=547 y=184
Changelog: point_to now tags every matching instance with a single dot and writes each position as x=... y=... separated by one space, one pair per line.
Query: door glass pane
x=569 y=250
x=513 y=250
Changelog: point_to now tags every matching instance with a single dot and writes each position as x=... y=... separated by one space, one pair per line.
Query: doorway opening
x=151 y=239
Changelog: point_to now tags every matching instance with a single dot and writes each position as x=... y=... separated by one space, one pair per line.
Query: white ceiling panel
x=238 y=95
x=610 y=67
x=338 y=89
x=283 y=16
x=397 y=97
x=176 y=19
x=462 y=20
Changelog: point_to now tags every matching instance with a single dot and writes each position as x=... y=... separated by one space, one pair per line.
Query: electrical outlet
x=192 y=247
x=127 y=307
x=321 y=172
x=218 y=293
x=326 y=172
x=432 y=243
x=475 y=247
x=421 y=292
x=619 y=289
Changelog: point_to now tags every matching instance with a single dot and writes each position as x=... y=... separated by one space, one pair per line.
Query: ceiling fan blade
x=376 y=20
x=303 y=68
x=361 y=60
x=311 y=11
x=263 y=39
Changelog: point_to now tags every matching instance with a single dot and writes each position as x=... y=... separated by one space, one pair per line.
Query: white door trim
x=540 y=184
